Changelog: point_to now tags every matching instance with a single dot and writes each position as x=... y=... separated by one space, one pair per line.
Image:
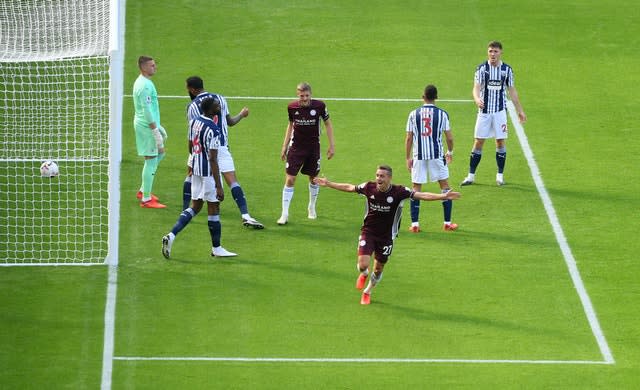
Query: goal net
x=56 y=104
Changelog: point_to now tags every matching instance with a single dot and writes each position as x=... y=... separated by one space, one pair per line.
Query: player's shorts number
x=386 y=250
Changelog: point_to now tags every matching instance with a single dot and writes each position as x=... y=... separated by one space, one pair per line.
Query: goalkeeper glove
x=163 y=133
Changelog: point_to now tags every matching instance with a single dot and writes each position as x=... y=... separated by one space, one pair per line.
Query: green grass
x=496 y=289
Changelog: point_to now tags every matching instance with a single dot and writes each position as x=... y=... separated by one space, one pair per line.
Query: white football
x=49 y=169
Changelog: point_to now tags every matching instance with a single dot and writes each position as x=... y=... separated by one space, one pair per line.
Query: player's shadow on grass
x=465 y=319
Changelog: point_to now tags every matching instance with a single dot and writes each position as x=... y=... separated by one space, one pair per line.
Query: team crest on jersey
x=312 y=112
x=389 y=199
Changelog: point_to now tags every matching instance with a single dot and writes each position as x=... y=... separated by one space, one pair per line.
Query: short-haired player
x=426 y=158
x=492 y=80
x=383 y=211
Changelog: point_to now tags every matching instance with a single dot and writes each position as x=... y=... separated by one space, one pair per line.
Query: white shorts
x=204 y=188
x=225 y=161
x=492 y=125
x=429 y=170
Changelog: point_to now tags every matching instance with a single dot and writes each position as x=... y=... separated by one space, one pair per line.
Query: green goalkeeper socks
x=148 y=173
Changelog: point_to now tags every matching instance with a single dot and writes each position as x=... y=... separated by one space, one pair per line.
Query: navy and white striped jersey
x=427 y=124
x=494 y=81
x=193 y=112
x=204 y=134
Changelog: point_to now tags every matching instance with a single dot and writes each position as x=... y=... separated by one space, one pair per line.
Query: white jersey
x=427 y=124
x=493 y=81
x=193 y=112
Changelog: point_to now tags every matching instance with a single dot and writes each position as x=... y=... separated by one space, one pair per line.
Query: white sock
x=287 y=195
x=314 y=189
x=471 y=176
x=373 y=281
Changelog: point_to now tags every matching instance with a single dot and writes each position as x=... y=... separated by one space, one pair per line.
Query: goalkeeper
x=150 y=135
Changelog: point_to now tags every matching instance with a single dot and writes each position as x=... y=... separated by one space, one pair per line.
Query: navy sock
x=474 y=160
x=501 y=159
x=186 y=193
x=215 y=229
x=238 y=196
x=415 y=210
x=183 y=220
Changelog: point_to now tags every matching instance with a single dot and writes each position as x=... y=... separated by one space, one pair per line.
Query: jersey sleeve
x=224 y=108
x=325 y=112
x=411 y=122
x=192 y=110
x=146 y=98
x=361 y=189
x=445 y=121
x=510 y=80
x=477 y=76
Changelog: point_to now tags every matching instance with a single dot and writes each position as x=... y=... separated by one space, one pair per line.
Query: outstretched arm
x=431 y=196
x=232 y=120
x=324 y=182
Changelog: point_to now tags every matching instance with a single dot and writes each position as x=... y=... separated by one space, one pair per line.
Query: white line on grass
x=337 y=99
x=351 y=360
x=560 y=237
x=109 y=328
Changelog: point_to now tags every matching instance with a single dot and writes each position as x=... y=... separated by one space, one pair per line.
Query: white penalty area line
x=335 y=99
x=569 y=260
x=354 y=360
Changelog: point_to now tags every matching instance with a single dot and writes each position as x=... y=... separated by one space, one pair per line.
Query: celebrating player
x=492 y=78
x=204 y=140
x=380 y=226
x=301 y=147
x=425 y=155
x=195 y=86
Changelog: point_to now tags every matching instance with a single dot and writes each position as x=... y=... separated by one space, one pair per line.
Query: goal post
x=61 y=99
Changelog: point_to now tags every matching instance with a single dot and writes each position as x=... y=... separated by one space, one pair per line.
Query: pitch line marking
x=569 y=260
x=354 y=360
x=338 y=99
x=109 y=328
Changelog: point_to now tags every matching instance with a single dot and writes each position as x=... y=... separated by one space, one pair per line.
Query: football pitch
x=537 y=289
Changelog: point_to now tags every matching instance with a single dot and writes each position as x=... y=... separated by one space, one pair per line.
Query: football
x=49 y=169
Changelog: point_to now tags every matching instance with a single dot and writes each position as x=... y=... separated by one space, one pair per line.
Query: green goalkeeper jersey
x=145 y=102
